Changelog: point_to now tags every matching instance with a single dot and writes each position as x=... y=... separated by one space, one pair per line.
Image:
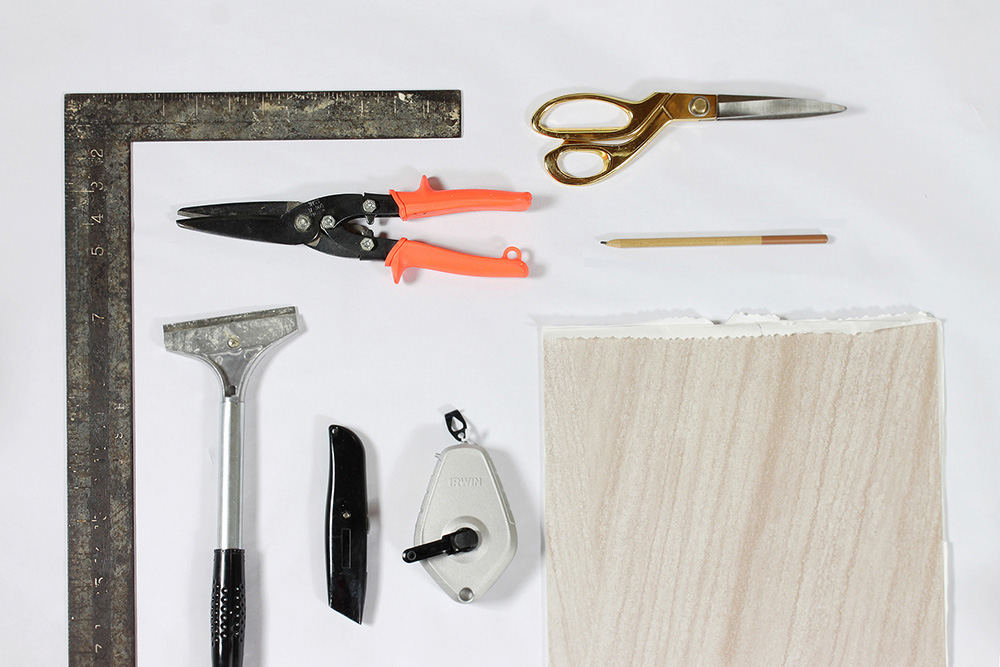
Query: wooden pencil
x=773 y=239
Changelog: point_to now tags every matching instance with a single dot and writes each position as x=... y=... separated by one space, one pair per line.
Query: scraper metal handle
x=228 y=608
x=231 y=474
x=229 y=571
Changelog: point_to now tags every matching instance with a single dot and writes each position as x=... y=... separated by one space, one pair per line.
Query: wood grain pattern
x=760 y=501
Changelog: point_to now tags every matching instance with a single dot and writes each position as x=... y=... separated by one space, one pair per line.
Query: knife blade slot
x=345 y=548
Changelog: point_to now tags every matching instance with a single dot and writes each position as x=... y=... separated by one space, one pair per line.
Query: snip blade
x=273 y=209
x=251 y=228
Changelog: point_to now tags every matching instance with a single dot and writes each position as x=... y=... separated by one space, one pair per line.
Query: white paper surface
x=738 y=326
x=904 y=182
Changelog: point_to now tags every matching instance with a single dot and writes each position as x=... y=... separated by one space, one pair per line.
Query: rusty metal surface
x=99 y=131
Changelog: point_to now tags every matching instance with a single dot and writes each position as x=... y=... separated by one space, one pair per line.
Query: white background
x=904 y=182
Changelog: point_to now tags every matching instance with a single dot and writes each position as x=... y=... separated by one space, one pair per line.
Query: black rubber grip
x=228 y=608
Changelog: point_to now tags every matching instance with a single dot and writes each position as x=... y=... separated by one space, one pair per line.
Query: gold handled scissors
x=617 y=145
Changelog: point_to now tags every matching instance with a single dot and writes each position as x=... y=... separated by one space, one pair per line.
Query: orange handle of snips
x=425 y=201
x=408 y=253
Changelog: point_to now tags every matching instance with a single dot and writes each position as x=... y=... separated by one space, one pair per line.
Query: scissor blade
x=746 y=107
x=252 y=228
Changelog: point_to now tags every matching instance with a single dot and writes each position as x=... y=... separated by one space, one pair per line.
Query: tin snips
x=331 y=225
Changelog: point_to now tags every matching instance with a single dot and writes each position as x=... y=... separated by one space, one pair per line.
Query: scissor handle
x=639 y=114
x=645 y=119
x=613 y=155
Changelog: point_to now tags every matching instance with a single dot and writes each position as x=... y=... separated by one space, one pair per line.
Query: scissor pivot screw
x=369 y=206
x=367 y=243
x=698 y=106
x=327 y=221
x=233 y=342
x=302 y=223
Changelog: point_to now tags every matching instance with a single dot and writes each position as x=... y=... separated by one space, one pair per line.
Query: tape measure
x=100 y=130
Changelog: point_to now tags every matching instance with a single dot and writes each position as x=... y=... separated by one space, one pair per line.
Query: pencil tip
x=604 y=243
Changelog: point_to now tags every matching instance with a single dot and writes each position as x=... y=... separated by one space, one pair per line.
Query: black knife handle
x=228 y=608
x=347 y=524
